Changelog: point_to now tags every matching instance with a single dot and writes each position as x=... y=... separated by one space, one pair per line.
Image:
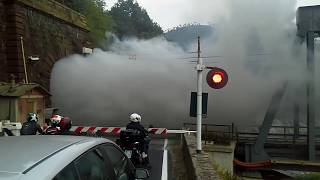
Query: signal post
x=217 y=78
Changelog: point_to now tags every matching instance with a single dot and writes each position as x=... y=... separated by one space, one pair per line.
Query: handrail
x=281 y=131
x=230 y=129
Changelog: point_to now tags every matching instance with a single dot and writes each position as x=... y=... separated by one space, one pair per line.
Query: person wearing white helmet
x=135 y=117
x=135 y=120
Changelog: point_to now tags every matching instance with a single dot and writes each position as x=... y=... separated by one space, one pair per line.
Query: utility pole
x=310 y=96
x=200 y=68
x=24 y=61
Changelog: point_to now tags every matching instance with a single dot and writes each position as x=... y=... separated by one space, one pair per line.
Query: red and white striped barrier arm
x=157 y=130
x=94 y=129
x=112 y=130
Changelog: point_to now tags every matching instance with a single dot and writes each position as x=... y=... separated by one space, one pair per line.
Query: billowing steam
x=136 y=76
x=256 y=45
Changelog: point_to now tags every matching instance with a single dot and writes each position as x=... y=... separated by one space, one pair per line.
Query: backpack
x=28 y=128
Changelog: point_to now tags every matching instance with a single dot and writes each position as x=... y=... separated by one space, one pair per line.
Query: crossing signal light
x=217 y=78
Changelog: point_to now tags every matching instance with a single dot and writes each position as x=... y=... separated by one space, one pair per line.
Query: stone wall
x=49 y=30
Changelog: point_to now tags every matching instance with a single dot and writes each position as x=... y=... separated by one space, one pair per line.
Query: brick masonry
x=47 y=33
x=2 y=41
x=199 y=165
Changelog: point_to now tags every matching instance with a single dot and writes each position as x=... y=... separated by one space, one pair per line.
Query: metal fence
x=214 y=132
x=231 y=132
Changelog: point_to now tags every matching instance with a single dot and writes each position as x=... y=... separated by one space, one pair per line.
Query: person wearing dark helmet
x=31 y=127
x=134 y=124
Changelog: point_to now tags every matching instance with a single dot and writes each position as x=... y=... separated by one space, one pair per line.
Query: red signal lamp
x=217 y=78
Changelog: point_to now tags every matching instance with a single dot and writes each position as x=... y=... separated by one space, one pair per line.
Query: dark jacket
x=137 y=126
x=30 y=128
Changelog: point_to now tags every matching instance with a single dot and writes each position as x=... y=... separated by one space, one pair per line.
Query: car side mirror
x=141 y=173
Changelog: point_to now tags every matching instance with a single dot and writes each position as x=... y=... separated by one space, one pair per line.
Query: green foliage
x=226 y=175
x=98 y=20
x=126 y=18
x=312 y=176
x=132 y=20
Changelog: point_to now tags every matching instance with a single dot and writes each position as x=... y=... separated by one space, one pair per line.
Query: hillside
x=187 y=35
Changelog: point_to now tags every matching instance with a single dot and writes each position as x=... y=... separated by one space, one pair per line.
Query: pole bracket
x=200 y=67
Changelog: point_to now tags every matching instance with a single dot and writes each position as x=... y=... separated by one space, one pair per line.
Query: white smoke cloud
x=136 y=76
x=257 y=42
x=257 y=45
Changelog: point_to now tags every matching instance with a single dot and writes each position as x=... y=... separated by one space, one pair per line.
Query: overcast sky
x=171 y=13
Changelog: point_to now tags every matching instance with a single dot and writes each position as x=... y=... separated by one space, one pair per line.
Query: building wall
x=2 y=43
x=4 y=108
x=27 y=105
x=33 y=101
x=49 y=30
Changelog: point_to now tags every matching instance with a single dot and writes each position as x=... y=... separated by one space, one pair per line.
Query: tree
x=126 y=18
x=129 y=19
x=99 y=22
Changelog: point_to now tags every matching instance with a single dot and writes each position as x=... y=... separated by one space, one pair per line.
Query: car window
x=91 y=166
x=68 y=173
x=122 y=166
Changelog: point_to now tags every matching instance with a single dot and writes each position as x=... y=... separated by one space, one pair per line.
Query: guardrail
x=281 y=131
x=220 y=133
x=228 y=129
x=232 y=132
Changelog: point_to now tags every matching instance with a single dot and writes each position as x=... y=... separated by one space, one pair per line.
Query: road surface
x=158 y=159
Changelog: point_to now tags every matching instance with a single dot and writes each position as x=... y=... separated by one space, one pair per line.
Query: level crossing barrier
x=15 y=128
x=117 y=130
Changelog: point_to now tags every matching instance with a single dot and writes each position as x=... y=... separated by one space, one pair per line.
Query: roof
x=22 y=153
x=17 y=90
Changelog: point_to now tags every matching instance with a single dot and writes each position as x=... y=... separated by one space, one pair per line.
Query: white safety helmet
x=135 y=117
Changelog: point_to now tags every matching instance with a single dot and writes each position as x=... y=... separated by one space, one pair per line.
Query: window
x=68 y=173
x=122 y=166
x=92 y=166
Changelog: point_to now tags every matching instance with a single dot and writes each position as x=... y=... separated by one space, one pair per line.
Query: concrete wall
x=49 y=30
x=188 y=159
x=222 y=156
x=199 y=166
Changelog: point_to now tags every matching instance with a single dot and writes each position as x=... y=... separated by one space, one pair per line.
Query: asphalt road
x=156 y=150
x=156 y=158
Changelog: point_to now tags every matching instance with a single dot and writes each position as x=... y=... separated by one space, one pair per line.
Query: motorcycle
x=130 y=143
x=52 y=130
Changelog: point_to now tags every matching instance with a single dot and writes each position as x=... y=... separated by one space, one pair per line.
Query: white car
x=64 y=158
